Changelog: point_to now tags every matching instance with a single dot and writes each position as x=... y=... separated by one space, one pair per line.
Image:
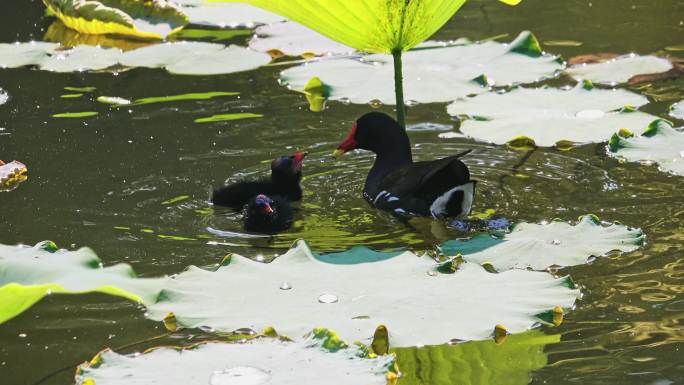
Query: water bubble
x=327 y=298
x=240 y=375
x=591 y=259
x=432 y=273
x=412 y=103
x=345 y=101
x=244 y=331
x=556 y=242
x=22 y=335
x=375 y=103
x=260 y=258
x=285 y=286
x=206 y=329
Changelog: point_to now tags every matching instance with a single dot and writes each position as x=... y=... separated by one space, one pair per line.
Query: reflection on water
x=101 y=182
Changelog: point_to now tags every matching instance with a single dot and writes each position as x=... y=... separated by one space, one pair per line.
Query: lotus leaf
x=23 y=54
x=539 y=246
x=11 y=174
x=476 y=362
x=258 y=361
x=677 y=110
x=57 y=32
x=659 y=143
x=148 y=19
x=351 y=299
x=228 y=60
x=546 y=116
x=294 y=39
x=81 y=58
x=224 y=15
x=431 y=75
x=619 y=69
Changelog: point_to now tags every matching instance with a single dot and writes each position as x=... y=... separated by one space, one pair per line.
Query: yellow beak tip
x=337 y=153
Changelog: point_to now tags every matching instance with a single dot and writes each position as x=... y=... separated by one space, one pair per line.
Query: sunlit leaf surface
x=437 y=74
x=549 y=115
x=542 y=245
x=84 y=114
x=293 y=39
x=620 y=69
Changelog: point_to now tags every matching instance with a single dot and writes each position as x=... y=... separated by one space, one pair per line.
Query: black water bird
x=437 y=188
x=286 y=173
x=267 y=215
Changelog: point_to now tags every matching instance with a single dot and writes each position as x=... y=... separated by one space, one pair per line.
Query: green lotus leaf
x=293 y=39
x=147 y=19
x=476 y=362
x=619 y=69
x=441 y=73
x=212 y=34
x=660 y=143
x=57 y=32
x=352 y=299
x=226 y=15
x=677 y=110
x=539 y=246
x=550 y=115
x=257 y=361
x=22 y=54
x=11 y=174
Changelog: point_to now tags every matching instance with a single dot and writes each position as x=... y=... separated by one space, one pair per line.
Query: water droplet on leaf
x=327 y=298
x=285 y=286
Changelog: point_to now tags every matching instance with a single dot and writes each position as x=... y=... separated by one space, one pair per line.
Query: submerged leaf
x=542 y=245
x=175 y=98
x=435 y=74
x=149 y=19
x=258 y=361
x=225 y=117
x=85 y=114
x=660 y=143
x=549 y=115
x=619 y=69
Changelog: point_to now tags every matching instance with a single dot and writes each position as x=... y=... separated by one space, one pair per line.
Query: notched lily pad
x=660 y=143
x=12 y=174
x=257 y=361
x=81 y=58
x=539 y=246
x=147 y=19
x=547 y=116
x=226 y=15
x=618 y=69
x=293 y=39
x=432 y=72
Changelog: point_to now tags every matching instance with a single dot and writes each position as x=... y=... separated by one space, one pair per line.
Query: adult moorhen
x=267 y=215
x=286 y=173
x=438 y=188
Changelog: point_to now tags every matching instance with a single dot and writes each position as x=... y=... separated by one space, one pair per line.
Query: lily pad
x=677 y=110
x=23 y=54
x=226 y=15
x=81 y=58
x=160 y=55
x=139 y=18
x=257 y=361
x=660 y=143
x=351 y=299
x=539 y=246
x=619 y=69
x=225 y=61
x=294 y=39
x=431 y=74
x=547 y=116
x=11 y=174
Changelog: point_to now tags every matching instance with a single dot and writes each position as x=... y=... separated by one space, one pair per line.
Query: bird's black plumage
x=438 y=188
x=286 y=173
x=267 y=215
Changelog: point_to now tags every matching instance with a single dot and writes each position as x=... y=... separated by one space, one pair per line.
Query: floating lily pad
x=351 y=299
x=81 y=58
x=231 y=15
x=430 y=74
x=225 y=117
x=23 y=54
x=539 y=246
x=11 y=174
x=677 y=110
x=258 y=361
x=660 y=143
x=546 y=116
x=294 y=39
x=57 y=32
x=139 y=18
x=620 y=69
x=229 y=60
x=161 y=55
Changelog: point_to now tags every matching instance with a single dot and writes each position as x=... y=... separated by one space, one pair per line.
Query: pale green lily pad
x=227 y=117
x=257 y=361
x=81 y=58
x=539 y=246
x=430 y=75
x=550 y=115
x=161 y=55
x=620 y=69
x=23 y=54
x=350 y=299
x=677 y=110
x=660 y=143
x=476 y=362
x=294 y=39
x=230 y=15
x=229 y=60
x=354 y=299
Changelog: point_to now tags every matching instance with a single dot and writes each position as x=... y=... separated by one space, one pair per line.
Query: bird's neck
x=386 y=161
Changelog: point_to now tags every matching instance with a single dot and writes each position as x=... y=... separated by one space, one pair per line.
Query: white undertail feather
x=438 y=207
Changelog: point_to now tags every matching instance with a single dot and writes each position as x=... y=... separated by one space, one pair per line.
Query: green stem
x=399 y=88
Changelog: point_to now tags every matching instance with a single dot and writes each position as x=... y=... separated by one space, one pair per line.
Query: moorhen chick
x=286 y=173
x=437 y=188
x=267 y=215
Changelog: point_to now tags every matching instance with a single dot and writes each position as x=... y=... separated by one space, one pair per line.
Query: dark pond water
x=101 y=182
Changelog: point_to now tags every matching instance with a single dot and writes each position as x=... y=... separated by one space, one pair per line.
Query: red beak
x=298 y=159
x=348 y=144
x=267 y=209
